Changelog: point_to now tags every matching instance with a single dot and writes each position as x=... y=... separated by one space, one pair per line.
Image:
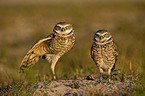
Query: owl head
x=63 y=28
x=103 y=37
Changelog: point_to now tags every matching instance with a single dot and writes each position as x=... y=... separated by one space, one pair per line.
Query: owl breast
x=104 y=56
x=61 y=45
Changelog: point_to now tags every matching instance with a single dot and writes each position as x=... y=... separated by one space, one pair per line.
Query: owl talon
x=54 y=77
x=101 y=82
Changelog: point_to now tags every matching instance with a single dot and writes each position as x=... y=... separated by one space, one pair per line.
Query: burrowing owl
x=52 y=47
x=104 y=52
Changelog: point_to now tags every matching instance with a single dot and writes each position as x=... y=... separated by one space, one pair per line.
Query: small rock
x=90 y=77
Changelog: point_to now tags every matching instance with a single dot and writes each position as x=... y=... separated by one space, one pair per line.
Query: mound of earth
x=82 y=88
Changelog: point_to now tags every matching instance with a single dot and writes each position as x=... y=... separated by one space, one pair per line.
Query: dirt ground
x=82 y=88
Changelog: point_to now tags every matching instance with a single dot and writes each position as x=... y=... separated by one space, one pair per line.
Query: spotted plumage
x=104 y=52
x=51 y=48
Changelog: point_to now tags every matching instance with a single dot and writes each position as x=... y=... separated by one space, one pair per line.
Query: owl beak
x=62 y=29
x=100 y=37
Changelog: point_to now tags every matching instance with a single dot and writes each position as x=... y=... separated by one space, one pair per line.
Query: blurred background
x=24 y=22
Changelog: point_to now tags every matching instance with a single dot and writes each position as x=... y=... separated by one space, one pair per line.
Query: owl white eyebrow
x=63 y=25
x=102 y=34
x=98 y=34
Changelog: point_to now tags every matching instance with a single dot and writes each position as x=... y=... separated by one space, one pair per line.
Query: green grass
x=22 y=26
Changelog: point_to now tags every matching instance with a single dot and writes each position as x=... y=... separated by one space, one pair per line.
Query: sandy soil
x=82 y=88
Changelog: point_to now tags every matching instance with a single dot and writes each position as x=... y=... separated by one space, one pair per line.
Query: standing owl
x=104 y=52
x=51 y=48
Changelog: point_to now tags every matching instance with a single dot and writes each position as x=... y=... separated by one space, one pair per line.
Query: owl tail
x=29 y=60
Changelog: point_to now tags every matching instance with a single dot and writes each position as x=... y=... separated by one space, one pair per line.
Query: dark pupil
x=106 y=35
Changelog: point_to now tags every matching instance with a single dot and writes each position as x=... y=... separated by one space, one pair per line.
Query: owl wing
x=93 y=51
x=115 y=53
x=35 y=53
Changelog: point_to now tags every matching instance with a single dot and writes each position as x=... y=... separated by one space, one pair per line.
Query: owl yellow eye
x=106 y=35
x=68 y=28
x=57 y=28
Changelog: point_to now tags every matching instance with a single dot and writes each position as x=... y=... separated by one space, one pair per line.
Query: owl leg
x=101 y=72
x=109 y=73
x=54 y=61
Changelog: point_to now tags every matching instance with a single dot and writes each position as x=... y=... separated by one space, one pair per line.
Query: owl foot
x=54 y=77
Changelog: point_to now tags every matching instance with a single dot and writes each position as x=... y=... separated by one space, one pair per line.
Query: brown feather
x=34 y=54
